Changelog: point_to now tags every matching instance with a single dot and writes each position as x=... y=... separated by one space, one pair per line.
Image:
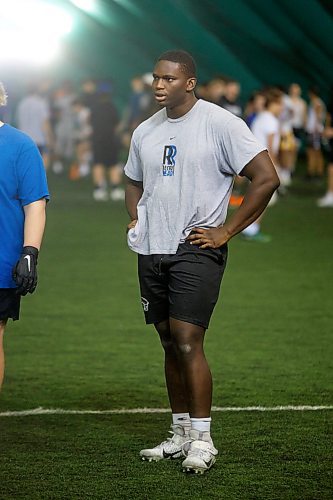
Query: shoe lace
x=175 y=439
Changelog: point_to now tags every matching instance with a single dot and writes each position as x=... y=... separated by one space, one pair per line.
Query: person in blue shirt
x=23 y=196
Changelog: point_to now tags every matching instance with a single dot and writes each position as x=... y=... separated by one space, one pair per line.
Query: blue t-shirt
x=22 y=181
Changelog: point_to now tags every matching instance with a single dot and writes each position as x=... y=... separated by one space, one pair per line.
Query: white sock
x=201 y=424
x=182 y=419
x=252 y=229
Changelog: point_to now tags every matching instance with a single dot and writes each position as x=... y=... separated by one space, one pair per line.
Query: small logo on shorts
x=145 y=304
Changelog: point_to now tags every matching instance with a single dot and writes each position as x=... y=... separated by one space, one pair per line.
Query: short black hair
x=183 y=58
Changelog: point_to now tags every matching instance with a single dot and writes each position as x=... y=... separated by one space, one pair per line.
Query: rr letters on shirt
x=169 y=161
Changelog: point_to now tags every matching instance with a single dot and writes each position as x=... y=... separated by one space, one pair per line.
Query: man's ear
x=191 y=83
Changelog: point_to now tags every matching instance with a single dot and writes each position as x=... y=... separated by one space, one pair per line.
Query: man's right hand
x=131 y=224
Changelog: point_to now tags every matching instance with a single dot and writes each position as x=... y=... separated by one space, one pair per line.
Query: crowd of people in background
x=79 y=130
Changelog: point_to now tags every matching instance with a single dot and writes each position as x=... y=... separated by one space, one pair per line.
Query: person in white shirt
x=266 y=128
x=287 y=143
x=314 y=128
x=327 y=200
x=180 y=171
x=298 y=119
x=298 y=106
x=33 y=118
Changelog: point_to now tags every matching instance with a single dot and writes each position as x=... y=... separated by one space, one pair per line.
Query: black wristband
x=31 y=251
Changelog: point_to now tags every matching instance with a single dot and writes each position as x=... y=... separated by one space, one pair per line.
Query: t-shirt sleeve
x=133 y=167
x=31 y=176
x=239 y=146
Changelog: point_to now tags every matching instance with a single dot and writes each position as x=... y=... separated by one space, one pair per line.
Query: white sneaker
x=326 y=201
x=170 y=449
x=100 y=194
x=117 y=194
x=200 y=453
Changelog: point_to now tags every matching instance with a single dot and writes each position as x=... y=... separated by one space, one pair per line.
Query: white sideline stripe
x=60 y=411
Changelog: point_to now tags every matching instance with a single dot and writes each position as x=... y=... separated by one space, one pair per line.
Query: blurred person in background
x=215 y=89
x=230 y=99
x=87 y=92
x=7 y=111
x=266 y=128
x=23 y=195
x=298 y=120
x=201 y=91
x=105 y=147
x=33 y=118
x=82 y=136
x=288 y=147
x=138 y=107
x=254 y=106
x=63 y=99
x=314 y=129
x=327 y=199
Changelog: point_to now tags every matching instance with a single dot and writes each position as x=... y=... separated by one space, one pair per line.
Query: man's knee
x=186 y=348
x=187 y=338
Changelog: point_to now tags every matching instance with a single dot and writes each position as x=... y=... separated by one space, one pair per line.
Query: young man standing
x=23 y=194
x=180 y=171
x=266 y=128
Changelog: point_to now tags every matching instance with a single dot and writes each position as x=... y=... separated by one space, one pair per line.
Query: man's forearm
x=34 y=223
x=264 y=181
x=133 y=193
x=255 y=201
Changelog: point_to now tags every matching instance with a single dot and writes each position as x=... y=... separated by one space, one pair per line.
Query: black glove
x=25 y=271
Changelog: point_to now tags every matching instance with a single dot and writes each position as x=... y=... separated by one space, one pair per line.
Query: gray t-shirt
x=187 y=166
x=32 y=113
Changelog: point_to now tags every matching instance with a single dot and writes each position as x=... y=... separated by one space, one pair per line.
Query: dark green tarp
x=259 y=42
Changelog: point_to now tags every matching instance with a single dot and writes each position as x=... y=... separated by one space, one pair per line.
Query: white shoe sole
x=157 y=458
x=197 y=469
x=151 y=459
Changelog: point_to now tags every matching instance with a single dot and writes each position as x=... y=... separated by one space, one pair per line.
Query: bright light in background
x=87 y=5
x=31 y=31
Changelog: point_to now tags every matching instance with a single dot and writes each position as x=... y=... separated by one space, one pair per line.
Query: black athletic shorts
x=105 y=151
x=9 y=303
x=183 y=286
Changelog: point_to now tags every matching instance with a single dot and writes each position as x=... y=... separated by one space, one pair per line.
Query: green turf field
x=81 y=344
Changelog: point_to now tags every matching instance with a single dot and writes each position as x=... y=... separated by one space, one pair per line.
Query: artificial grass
x=262 y=455
x=82 y=344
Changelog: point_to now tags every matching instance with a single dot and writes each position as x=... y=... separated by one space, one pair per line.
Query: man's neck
x=181 y=109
